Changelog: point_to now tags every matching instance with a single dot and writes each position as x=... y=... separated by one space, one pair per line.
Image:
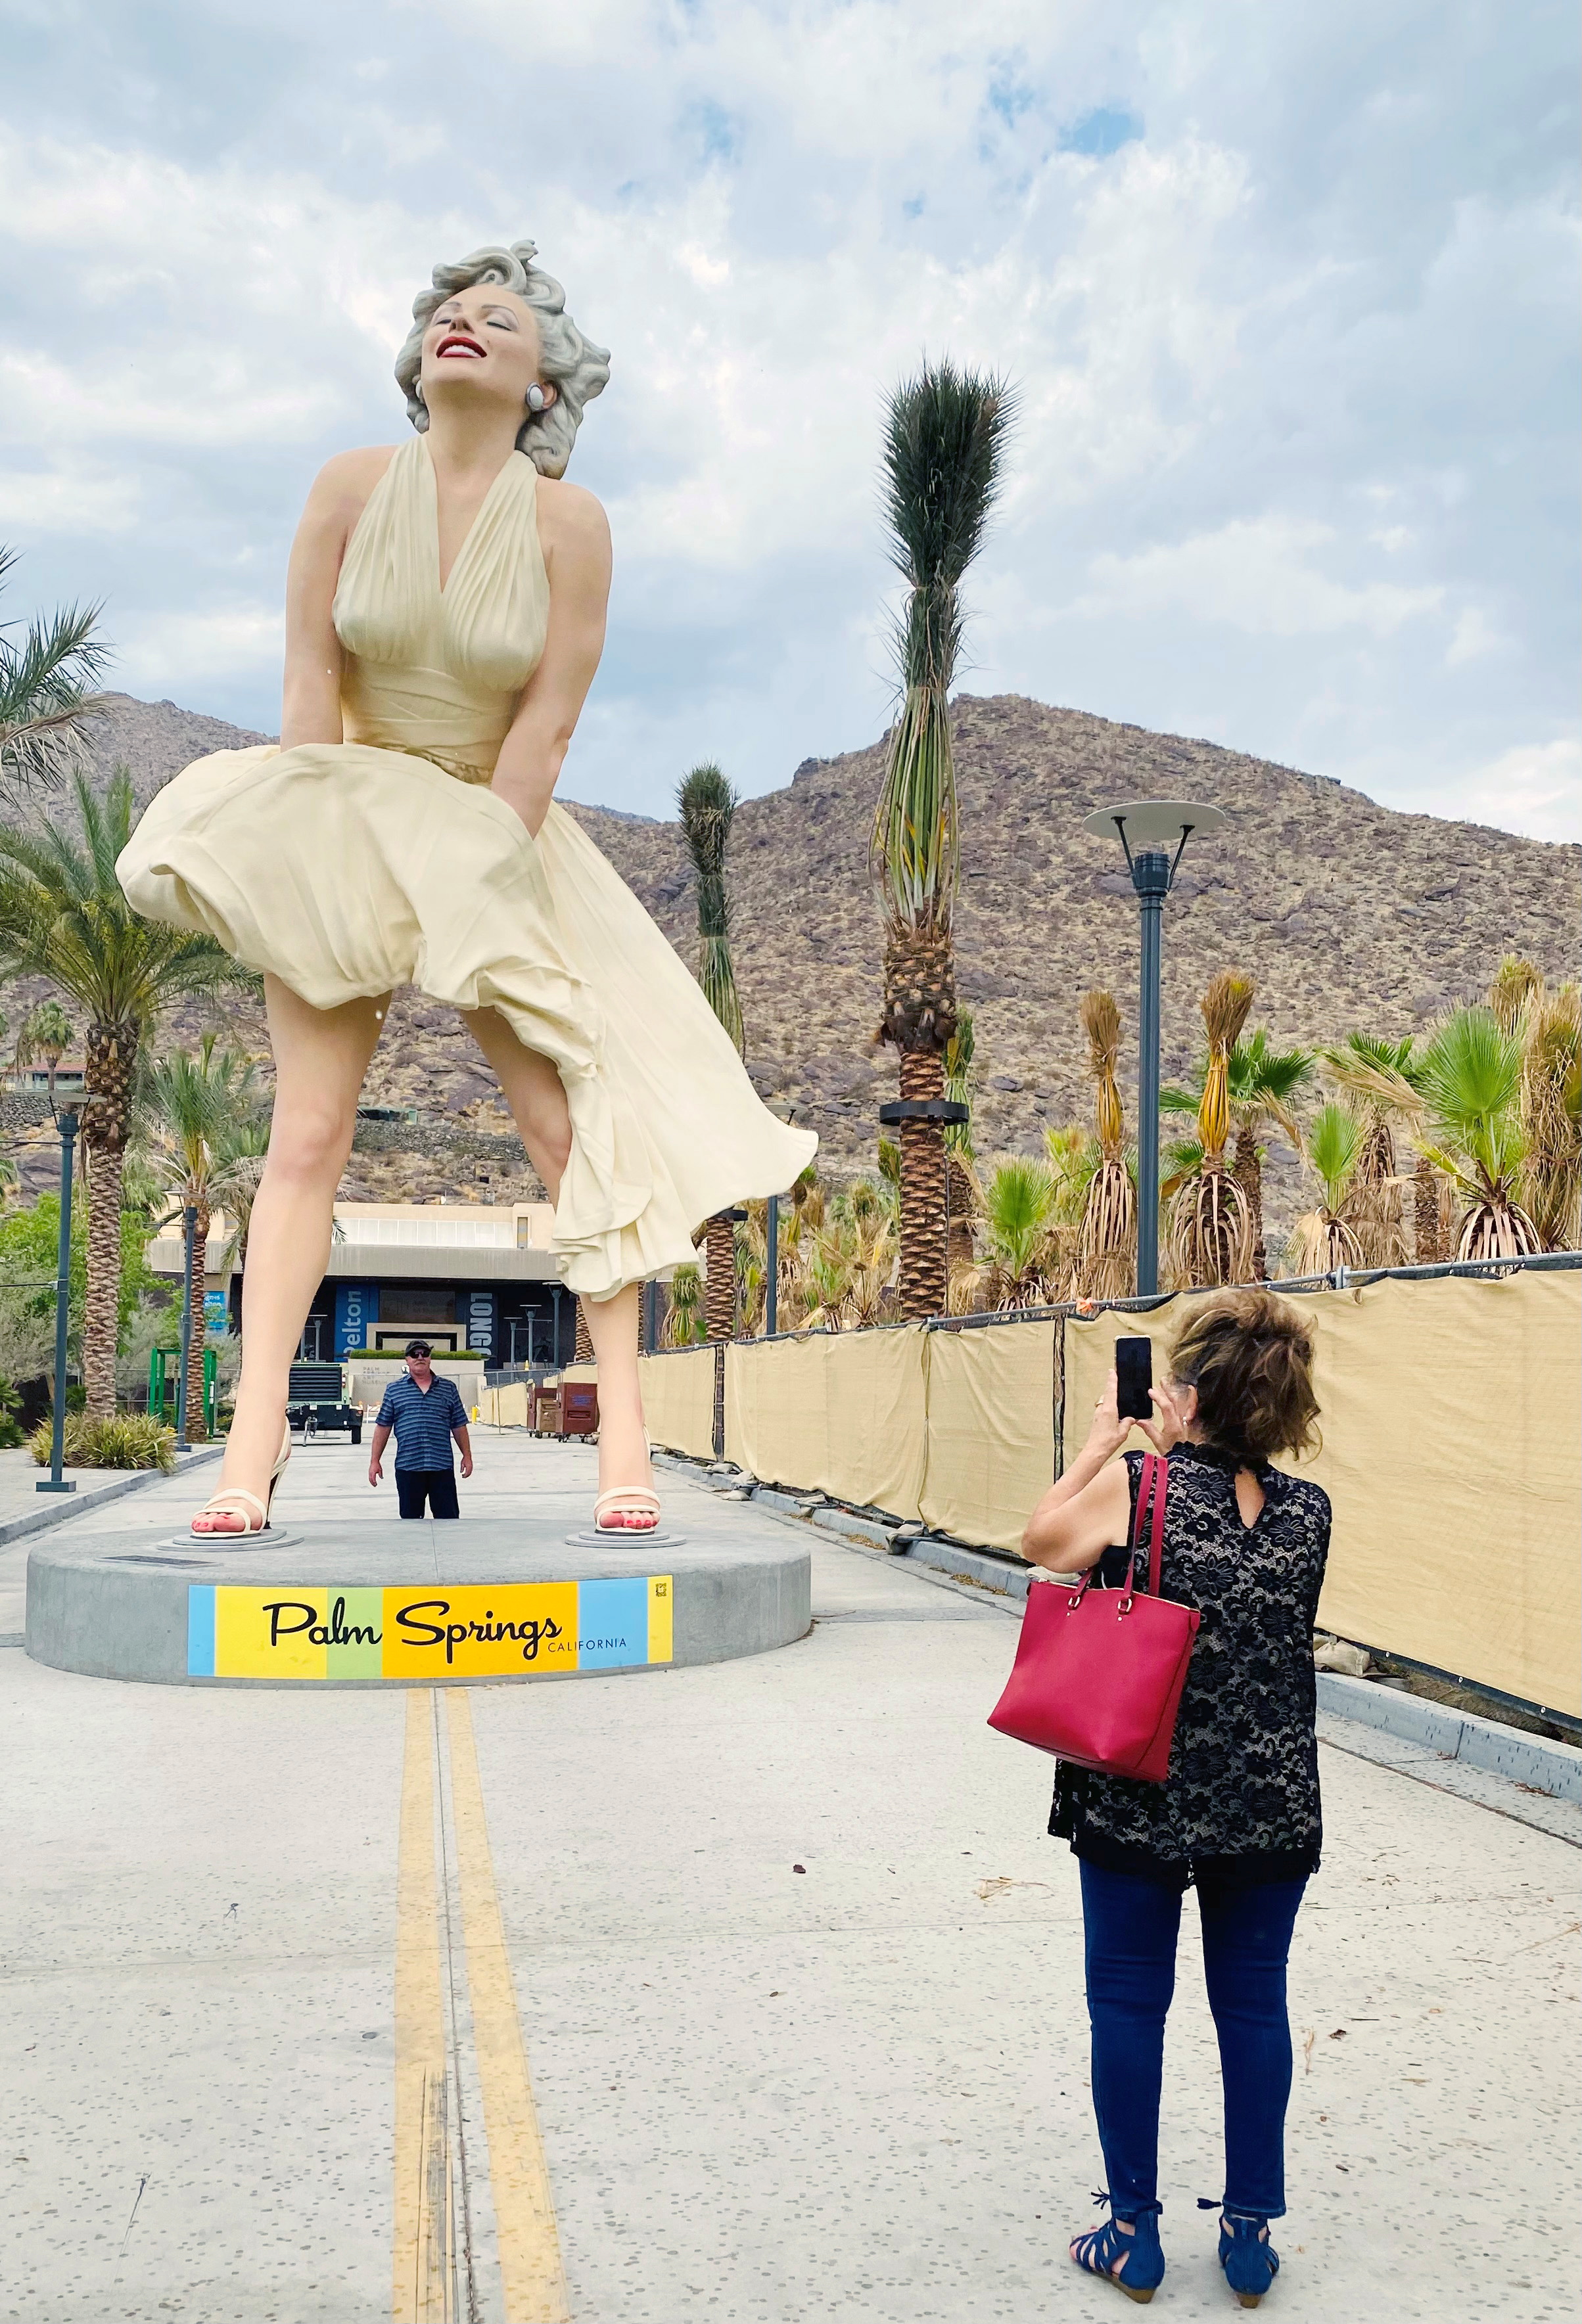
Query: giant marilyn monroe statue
x=445 y=614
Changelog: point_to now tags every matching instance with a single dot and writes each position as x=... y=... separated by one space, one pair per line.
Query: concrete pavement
x=794 y=1969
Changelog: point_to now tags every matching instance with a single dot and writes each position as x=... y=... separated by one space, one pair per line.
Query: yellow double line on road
x=532 y=2275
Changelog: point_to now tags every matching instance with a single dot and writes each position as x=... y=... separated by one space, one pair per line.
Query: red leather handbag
x=1099 y=1672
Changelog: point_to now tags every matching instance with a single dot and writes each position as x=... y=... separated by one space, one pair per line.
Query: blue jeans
x=1130 y=1925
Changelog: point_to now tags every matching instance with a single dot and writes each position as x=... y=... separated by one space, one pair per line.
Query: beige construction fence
x=1451 y=1418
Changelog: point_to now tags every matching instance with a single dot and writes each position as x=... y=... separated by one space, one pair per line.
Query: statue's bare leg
x=536 y=1098
x=320 y=1056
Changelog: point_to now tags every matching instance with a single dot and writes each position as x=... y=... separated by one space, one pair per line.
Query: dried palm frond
x=1210 y=1239
x=1105 y=1262
x=1101 y=1021
x=1224 y=1008
x=1516 y=982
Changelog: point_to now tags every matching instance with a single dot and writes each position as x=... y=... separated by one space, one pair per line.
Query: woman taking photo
x=1238 y=1817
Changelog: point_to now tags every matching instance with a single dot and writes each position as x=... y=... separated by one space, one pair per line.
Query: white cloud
x=158 y=654
x=1258 y=576
x=1535 y=788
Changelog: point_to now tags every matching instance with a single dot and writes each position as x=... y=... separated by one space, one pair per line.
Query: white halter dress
x=348 y=869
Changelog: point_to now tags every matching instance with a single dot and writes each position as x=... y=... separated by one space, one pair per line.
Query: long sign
x=426 y=1631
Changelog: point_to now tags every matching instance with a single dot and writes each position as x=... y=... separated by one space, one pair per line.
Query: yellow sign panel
x=481 y=1631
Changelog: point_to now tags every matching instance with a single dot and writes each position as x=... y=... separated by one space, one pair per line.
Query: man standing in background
x=425 y=1412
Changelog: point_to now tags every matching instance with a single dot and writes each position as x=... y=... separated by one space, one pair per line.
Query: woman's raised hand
x=1172 y=1422
x=1109 y=1432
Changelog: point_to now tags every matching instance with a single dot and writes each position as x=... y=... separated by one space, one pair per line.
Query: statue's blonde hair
x=575 y=367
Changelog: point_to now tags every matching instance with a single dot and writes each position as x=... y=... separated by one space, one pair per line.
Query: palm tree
x=681 y=1326
x=1211 y=1222
x=46 y=1036
x=63 y=917
x=944 y=447
x=49 y=691
x=1471 y=1082
x=707 y=802
x=1260 y=1084
x=1380 y=1078
x=1551 y=1094
x=961 y=1077
x=190 y=1108
x=1106 y=1256
x=1385 y=1079
x=1020 y=1202
x=850 y=1259
x=1324 y=1238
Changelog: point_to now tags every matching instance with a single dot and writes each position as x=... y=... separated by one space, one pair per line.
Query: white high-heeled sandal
x=220 y=1506
x=638 y=1498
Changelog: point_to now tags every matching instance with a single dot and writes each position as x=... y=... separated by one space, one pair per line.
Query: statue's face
x=484 y=342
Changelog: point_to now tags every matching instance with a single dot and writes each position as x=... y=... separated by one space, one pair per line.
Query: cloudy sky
x=1289 y=292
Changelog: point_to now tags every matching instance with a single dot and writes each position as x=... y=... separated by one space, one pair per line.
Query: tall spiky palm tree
x=63 y=917
x=1211 y=1222
x=945 y=439
x=707 y=802
x=1471 y=1095
x=49 y=692
x=1324 y=1238
x=1107 y=1254
x=190 y=1107
x=1260 y=1084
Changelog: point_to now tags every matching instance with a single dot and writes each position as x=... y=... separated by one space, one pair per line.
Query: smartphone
x=1133 y=1378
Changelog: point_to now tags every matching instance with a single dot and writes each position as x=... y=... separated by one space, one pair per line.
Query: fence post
x=719 y=1348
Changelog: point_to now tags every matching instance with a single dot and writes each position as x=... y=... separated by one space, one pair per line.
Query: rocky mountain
x=1346 y=914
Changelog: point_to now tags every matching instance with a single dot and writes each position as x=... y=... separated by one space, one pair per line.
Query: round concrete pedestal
x=387 y=1604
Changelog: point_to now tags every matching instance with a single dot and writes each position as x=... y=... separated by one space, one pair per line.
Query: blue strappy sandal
x=1249 y=2259
x=1142 y=2270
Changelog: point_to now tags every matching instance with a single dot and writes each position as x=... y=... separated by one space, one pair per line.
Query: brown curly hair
x=1250 y=1357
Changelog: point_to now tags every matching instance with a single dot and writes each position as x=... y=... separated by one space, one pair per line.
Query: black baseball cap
x=417 y=1348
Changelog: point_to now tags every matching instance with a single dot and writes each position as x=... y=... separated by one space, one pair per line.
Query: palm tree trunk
x=101 y=1321
x=719 y=1290
x=961 y=1252
x=197 y=1425
x=582 y=1343
x=1248 y=1174
x=110 y=1060
x=923 y=1190
x=1427 y=1218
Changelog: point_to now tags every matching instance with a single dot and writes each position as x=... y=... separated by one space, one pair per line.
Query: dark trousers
x=437 y=1487
x=1130 y=1925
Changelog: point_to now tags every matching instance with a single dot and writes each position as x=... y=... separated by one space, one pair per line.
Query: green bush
x=11 y=1429
x=131 y=1440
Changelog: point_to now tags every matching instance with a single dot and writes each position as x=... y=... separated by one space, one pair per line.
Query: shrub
x=11 y=1431
x=131 y=1440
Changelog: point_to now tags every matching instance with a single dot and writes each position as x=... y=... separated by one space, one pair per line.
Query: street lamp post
x=189 y=1233
x=55 y=1483
x=1154 y=835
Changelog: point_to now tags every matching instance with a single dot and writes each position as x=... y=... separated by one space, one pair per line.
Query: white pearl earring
x=536 y=398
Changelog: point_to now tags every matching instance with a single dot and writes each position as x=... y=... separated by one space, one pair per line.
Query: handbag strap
x=1152 y=1487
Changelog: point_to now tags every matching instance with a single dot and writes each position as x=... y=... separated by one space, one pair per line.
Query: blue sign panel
x=356 y=1311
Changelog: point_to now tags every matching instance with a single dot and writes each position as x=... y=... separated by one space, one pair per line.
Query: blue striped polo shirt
x=422 y=1420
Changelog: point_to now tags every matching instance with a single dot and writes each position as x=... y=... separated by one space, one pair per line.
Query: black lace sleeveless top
x=1241 y=1798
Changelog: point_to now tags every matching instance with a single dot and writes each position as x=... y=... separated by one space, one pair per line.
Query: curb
x=76 y=1505
x=1552 y=1768
x=979 y=1567
x=842 y=1521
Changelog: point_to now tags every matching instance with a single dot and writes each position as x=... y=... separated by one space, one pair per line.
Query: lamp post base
x=57 y=1485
